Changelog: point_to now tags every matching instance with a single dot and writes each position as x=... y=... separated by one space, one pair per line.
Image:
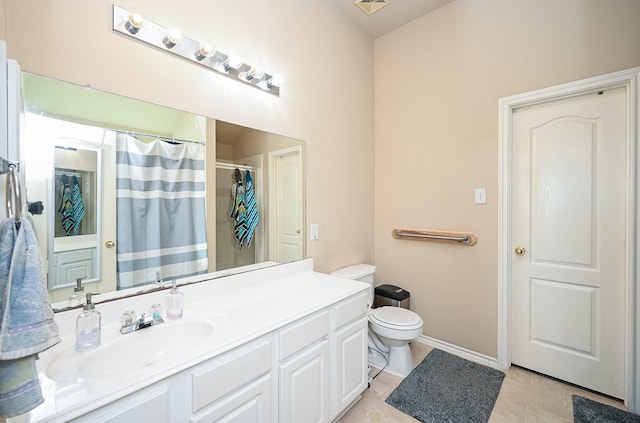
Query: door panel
x=569 y=215
x=289 y=234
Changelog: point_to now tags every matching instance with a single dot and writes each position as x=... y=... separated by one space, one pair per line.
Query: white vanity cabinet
x=304 y=370
x=323 y=362
x=235 y=387
x=301 y=361
x=350 y=356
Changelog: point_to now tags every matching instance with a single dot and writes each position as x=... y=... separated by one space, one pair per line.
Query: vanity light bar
x=133 y=25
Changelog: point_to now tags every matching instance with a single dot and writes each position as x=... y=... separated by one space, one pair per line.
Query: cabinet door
x=304 y=386
x=351 y=364
x=251 y=404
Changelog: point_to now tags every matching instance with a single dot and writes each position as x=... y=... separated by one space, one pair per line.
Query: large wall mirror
x=126 y=196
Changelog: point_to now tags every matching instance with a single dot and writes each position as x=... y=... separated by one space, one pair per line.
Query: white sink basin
x=132 y=351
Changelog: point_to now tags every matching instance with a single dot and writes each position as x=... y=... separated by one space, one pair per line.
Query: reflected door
x=569 y=237
x=288 y=235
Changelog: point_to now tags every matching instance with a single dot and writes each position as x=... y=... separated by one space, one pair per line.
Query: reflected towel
x=20 y=390
x=26 y=317
x=252 y=209
x=77 y=211
x=239 y=212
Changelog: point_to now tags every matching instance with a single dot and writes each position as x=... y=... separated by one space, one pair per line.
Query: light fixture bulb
x=253 y=73
x=134 y=23
x=275 y=81
x=173 y=37
x=205 y=50
x=234 y=62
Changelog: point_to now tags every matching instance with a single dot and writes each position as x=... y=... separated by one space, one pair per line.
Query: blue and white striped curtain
x=161 y=223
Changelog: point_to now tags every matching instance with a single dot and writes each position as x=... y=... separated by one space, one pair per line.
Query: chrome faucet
x=131 y=323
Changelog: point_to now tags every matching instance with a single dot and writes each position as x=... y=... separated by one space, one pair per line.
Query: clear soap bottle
x=88 y=326
x=174 y=302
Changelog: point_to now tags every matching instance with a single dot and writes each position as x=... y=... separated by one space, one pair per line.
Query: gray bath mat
x=445 y=388
x=589 y=411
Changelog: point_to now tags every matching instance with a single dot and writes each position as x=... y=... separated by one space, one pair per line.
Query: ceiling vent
x=370 y=6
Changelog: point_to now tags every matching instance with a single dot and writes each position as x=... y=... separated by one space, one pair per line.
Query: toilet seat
x=396 y=318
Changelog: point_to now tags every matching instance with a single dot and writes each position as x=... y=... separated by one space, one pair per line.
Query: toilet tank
x=359 y=272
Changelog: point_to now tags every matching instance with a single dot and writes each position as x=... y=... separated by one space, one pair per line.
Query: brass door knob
x=521 y=251
x=109 y=244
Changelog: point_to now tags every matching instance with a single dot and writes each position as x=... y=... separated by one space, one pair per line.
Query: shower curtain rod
x=60 y=171
x=233 y=166
x=161 y=137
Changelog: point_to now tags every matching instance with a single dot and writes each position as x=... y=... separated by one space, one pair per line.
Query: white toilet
x=390 y=328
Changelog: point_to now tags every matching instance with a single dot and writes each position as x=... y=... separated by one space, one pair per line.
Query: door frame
x=629 y=79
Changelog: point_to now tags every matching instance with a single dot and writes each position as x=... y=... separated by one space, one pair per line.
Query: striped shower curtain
x=161 y=223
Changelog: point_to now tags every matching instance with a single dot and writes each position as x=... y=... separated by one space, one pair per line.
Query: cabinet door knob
x=109 y=244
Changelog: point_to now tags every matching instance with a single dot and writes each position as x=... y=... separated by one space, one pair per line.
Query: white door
x=288 y=234
x=569 y=238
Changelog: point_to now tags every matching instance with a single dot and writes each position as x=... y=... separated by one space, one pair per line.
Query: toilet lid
x=396 y=316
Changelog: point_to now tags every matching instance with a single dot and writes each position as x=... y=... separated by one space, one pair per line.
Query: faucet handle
x=156 y=313
x=128 y=318
x=128 y=321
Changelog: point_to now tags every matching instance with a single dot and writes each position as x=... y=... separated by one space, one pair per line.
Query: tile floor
x=524 y=397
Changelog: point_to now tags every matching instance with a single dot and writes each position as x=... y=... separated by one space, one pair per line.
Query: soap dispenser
x=88 y=325
x=77 y=297
x=174 y=302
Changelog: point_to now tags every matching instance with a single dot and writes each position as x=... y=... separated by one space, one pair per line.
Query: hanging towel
x=66 y=206
x=20 y=390
x=251 y=219
x=26 y=318
x=77 y=207
x=26 y=325
x=239 y=213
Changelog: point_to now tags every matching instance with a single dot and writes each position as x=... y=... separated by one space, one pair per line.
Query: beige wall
x=305 y=42
x=437 y=85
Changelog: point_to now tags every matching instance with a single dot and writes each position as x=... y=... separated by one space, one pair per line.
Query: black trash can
x=391 y=295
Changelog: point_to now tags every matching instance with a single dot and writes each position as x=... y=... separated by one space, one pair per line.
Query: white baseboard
x=459 y=351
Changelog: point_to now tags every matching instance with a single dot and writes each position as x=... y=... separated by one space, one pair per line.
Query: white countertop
x=241 y=308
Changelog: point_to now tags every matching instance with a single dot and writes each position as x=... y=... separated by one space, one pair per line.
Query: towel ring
x=14 y=198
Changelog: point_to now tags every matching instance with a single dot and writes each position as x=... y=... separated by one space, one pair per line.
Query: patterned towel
x=251 y=219
x=20 y=390
x=239 y=213
x=66 y=206
x=26 y=318
x=77 y=210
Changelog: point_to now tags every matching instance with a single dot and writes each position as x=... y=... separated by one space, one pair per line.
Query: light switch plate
x=314 y=231
x=481 y=196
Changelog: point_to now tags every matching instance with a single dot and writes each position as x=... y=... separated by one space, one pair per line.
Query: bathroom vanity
x=281 y=344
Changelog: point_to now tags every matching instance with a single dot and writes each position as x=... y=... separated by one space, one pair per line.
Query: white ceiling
x=390 y=17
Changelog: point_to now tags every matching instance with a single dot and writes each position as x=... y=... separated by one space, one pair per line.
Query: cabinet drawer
x=150 y=404
x=301 y=334
x=351 y=309
x=252 y=403
x=214 y=380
